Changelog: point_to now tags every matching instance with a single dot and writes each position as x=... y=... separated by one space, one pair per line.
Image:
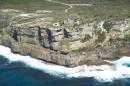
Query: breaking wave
x=103 y=73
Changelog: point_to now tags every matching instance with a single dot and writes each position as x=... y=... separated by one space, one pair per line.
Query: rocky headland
x=69 y=42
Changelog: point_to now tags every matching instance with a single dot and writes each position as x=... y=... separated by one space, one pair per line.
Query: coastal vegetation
x=31 y=5
x=97 y=9
x=86 y=38
x=62 y=31
x=127 y=37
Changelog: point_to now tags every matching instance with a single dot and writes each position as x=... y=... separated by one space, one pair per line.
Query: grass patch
x=25 y=20
x=101 y=36
x=96 y=2
x=86 y=38
x=99 y=9
x=31 y=5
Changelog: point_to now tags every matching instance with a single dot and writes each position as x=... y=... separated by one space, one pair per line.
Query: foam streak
x=102 y=73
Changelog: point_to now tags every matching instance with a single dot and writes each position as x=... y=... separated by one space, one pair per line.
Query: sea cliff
x=69 y=42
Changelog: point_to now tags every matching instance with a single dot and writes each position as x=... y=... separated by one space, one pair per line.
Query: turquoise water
x=18 y=74
x=14 y=71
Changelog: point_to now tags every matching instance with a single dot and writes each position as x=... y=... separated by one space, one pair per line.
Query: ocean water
x=17 y=70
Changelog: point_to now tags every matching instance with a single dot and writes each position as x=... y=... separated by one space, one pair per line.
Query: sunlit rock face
x=67 y=44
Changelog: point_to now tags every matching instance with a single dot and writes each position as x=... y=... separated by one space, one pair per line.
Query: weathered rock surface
x=88 y=43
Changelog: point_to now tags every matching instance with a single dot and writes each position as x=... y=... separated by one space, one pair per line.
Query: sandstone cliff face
x=87 y=43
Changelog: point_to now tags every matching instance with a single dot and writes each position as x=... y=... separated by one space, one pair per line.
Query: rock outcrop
x=88 y=43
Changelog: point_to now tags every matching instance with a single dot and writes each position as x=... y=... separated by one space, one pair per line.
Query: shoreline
x=90 y=43
x=115 y=72
x=124 y=51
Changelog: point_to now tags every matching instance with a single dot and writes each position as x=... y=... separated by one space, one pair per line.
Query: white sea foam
x=103 y=73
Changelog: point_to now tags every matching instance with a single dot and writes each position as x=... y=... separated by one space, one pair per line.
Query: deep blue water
x=18 y=74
